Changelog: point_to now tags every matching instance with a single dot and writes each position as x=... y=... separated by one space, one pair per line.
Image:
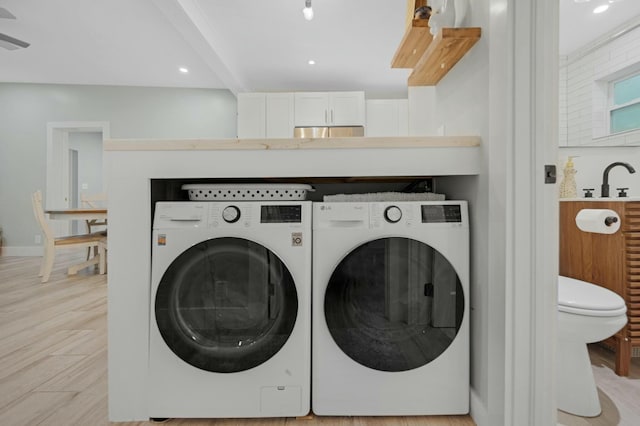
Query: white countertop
x=292 y=144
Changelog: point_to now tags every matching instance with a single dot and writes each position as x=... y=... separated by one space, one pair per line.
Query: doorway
x=63 y=174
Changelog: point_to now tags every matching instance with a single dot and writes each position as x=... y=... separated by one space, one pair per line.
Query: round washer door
x=226 y=305
x=394 y=304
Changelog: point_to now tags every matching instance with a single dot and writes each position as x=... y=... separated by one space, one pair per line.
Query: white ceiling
x=579 y=26
x=240 y=45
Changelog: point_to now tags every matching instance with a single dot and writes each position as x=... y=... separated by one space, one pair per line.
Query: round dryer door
x=394 y=304
x=226 y=305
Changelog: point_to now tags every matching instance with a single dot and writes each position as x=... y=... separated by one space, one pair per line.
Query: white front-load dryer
x=390 y=308
x=230 y=309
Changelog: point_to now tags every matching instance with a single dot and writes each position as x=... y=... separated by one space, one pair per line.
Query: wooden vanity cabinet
x=609 y=260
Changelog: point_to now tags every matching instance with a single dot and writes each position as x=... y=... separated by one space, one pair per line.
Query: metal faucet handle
x=588 y=192
x=622 y=192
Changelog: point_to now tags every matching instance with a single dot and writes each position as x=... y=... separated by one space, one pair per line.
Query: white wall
x=459 y=105
x=583 y=90
x=582 y=108
x=133 y=112
x=422 y=111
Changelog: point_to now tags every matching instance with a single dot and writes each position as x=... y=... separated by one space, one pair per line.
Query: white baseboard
x=478 y=411
x=21 y=251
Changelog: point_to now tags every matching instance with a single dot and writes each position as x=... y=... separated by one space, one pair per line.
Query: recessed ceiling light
x=311 y=62
x=601 y=9
x=183 y=70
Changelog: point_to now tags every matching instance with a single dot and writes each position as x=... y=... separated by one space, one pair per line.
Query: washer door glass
x=226 y=305
x=394 y=304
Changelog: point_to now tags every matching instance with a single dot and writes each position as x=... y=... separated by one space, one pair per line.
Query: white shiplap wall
x=583 y=90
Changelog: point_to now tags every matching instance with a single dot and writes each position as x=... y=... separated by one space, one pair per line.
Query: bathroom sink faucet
x=605 y=176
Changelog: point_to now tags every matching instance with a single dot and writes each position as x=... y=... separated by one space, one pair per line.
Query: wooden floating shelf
x=444 y=51
x=415 y=41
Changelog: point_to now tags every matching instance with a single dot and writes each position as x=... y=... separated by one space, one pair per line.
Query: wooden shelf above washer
x=446 y=49
x=431 y=57
x=415 y=41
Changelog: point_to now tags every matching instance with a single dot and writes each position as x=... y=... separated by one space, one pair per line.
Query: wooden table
x=77 y=214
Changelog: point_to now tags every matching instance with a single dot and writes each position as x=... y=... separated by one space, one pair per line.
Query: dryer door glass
x=394 y=304
x=226 y=305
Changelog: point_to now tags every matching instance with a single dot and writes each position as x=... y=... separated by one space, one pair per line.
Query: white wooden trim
x=547 y=210
x=532 y=212
x=477 y=409
x=501 y=54
x=27 y=251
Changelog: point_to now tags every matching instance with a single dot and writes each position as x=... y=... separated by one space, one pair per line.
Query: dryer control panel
x=439 y=213
x=391 y=215
x=214 y=214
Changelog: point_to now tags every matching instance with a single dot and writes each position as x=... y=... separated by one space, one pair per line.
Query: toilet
x=587 y=313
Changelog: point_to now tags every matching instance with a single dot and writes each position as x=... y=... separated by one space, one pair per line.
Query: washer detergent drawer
x=280 y=400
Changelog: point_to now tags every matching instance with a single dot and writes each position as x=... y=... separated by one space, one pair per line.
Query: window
x=624 y=104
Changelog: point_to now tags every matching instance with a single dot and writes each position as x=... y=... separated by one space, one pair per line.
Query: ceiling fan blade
x=5 y=14
x=11 y=43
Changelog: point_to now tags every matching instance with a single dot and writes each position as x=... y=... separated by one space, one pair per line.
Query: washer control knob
x=392 y=214
x=231 y=214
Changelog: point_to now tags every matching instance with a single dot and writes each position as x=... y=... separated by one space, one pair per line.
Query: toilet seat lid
x=583 y=298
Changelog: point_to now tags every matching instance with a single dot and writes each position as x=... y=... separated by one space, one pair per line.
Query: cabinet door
x=386 y=117
x=279 y=115
x=251 y=115
x=591 y=257
x=311 y=109
x=346 y=109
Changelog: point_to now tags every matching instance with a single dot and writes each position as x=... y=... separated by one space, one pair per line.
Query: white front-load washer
x=390 y=315
x=230 y=309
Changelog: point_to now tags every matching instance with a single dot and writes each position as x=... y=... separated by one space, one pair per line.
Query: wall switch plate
x=85 y=186
x=549 y=173
x=38 y=239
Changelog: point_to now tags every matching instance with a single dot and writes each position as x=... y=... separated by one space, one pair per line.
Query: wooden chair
x=97 y=240
x=98 y=200
x=94 y=201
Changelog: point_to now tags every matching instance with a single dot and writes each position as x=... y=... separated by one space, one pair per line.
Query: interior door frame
x=57 y=184
x=531 y=215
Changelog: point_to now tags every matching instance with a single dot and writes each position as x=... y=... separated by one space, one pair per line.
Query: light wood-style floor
x=53 y=354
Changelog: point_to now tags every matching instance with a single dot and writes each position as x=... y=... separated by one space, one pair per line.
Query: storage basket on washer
x=246 y=192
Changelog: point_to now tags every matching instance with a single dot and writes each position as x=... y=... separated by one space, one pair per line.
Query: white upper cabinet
x=347 y=108
x=251 y=115
x=265 y=115
x=387 y=117
x=279 y=117
x=329 y=109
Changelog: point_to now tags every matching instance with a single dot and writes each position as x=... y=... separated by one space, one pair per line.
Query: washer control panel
x=214 y=214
